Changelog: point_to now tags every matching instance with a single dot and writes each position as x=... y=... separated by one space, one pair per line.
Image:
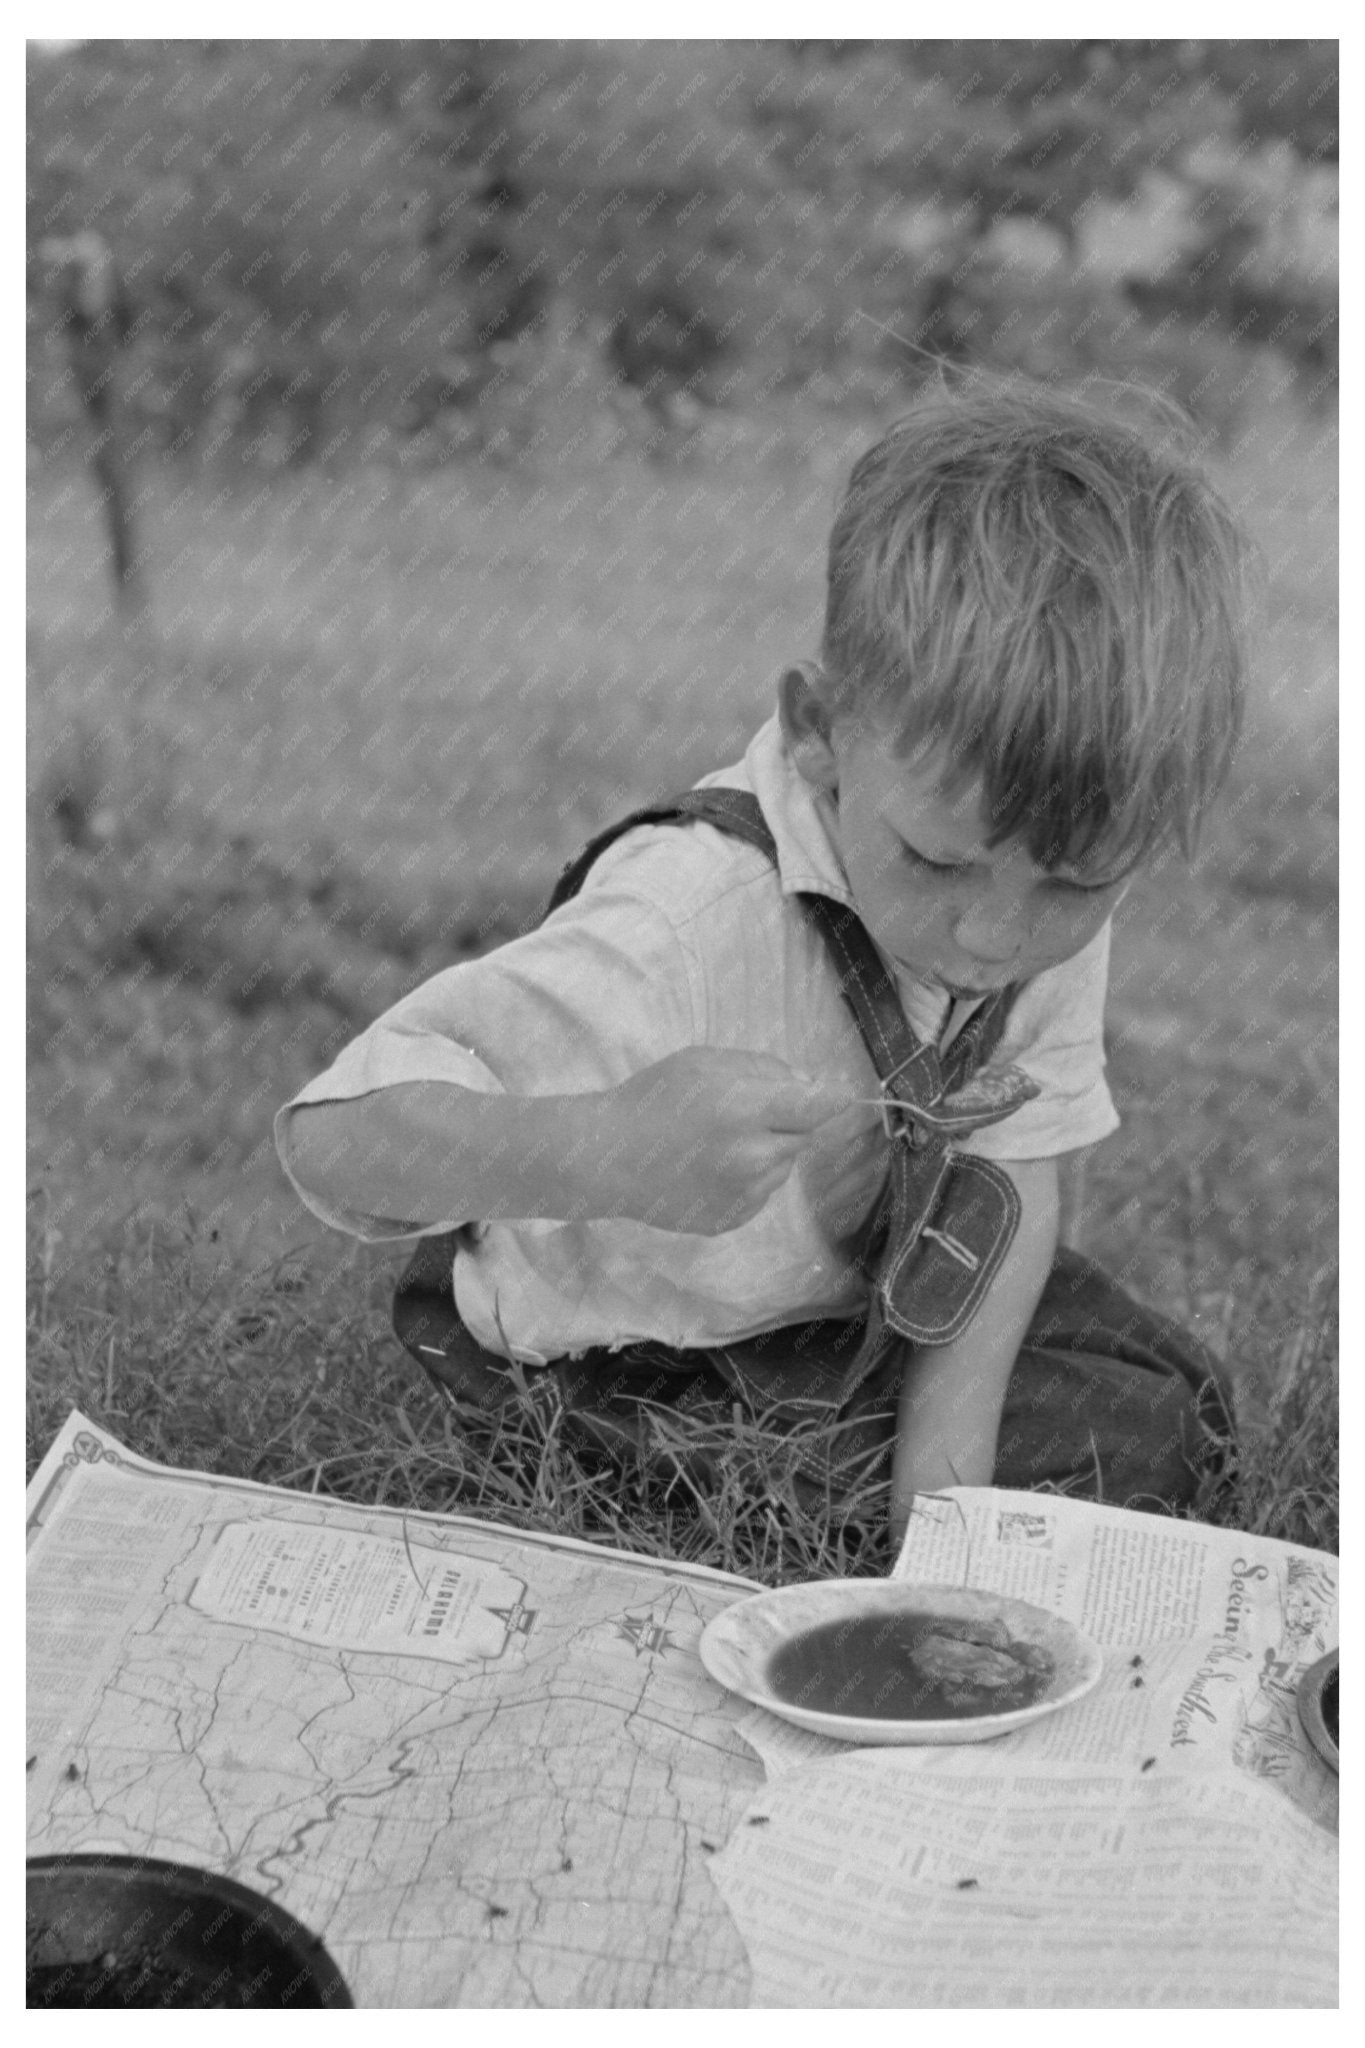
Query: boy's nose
x=991 y=933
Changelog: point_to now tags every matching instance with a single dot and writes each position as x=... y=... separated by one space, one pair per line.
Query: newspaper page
x=1167 y=1841
x=486 y=1767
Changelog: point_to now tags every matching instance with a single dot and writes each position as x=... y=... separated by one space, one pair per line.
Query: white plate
x=738 y=1646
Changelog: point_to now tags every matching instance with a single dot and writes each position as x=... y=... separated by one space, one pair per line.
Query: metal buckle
x=954 y=1248
x=914 y=1133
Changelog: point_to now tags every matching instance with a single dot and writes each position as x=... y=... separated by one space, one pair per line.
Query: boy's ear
x=806 y=726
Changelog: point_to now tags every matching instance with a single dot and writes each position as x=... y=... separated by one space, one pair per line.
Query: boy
x=654 y=1124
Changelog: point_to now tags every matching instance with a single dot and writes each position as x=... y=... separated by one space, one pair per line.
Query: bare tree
x=98 y=324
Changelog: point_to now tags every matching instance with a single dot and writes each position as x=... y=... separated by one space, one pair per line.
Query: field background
x=369 y=708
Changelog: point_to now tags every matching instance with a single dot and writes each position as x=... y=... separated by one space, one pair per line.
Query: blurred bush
x=1258 y=260
x=331 y=250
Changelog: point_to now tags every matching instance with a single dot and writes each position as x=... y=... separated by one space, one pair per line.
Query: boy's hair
x=1055 y=597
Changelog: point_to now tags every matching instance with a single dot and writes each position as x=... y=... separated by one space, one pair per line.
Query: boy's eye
x=935 y=867
x=1062 y=882
x=1086 y=888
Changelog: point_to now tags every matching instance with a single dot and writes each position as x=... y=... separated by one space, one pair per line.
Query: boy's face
x=954 y=912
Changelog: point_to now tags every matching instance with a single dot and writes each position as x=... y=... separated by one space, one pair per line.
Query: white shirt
x=687 y=936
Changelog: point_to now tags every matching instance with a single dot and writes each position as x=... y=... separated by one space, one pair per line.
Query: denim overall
x=1106 y=1398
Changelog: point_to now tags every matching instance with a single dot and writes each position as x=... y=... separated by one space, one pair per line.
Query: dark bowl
x=1319 y=1697
x=134 y=1931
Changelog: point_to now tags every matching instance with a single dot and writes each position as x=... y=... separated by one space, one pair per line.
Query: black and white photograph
x=682 y=966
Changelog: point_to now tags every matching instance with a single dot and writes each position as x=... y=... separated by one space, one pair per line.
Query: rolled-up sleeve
x=1055 y=1033
x=603 y=988
x=380 y=1058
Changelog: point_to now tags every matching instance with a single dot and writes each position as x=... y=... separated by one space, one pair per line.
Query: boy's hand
x=702 y=1139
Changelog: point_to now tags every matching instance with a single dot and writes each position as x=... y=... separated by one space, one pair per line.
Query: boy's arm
x=952 y=1394
x=696 y=1142
x=428 y=1151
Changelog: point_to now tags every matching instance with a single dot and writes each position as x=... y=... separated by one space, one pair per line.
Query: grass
x=288 y=1374
x=369 y=722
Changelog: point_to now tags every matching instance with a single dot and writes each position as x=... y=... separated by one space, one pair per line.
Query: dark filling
x=909 y=1667
x=137 y=1977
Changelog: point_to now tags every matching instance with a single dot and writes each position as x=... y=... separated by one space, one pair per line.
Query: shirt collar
x=802 y=819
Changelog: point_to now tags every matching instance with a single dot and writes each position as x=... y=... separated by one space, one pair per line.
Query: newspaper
x=488 y=1768
x=1166 y=1841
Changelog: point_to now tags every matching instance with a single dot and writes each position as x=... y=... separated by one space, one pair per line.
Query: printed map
x=487 y=1768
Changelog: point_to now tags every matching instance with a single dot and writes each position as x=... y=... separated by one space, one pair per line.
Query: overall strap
x=863 y=982
x=730 y=810
x=979 y=1036
x=914 y=1077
